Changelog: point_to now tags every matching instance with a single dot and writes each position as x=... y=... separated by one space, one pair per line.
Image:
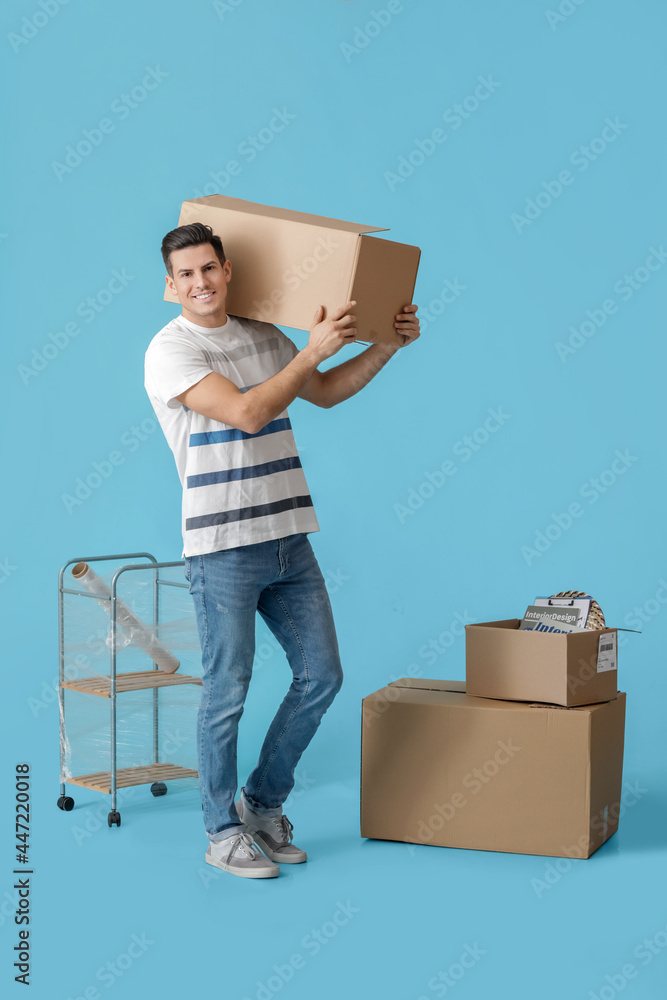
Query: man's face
x=200 y=282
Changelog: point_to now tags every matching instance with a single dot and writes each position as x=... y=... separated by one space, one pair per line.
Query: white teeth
x=204 y=295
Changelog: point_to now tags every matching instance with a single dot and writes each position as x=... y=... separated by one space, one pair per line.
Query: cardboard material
x=285 y=264
x=503 y=661
x=441 y=767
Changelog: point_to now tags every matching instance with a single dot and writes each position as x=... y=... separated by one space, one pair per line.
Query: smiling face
x=200 y=283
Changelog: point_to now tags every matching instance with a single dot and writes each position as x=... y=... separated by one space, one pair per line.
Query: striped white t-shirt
x=238 y=488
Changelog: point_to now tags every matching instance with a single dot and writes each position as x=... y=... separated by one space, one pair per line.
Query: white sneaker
x=240 y=856
x=272 y=833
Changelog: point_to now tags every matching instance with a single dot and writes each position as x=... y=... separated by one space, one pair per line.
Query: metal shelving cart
x=115 y=684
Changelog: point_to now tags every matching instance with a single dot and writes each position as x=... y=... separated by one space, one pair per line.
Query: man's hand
x=407 y=324
x=327 y=336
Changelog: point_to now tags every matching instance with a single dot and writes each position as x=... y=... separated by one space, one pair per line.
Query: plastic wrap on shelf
x=87 y=742
x=136 y=631
x=156 y=709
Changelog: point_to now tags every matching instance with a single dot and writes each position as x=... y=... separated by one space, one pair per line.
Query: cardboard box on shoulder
x=503 y=661
x=286 y=263
x=441 y=767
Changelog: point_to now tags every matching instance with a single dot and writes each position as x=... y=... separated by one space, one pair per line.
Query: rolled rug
x=139 y=633
x=595 y=618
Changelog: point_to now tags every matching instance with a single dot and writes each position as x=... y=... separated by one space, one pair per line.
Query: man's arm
x=339 y=383
x=217 y=397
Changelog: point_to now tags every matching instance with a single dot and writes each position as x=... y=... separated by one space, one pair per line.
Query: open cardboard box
x=503 y=661
x=441 y=767
x=285 y=264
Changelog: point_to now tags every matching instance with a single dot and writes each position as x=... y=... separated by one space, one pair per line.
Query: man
x=220 y=385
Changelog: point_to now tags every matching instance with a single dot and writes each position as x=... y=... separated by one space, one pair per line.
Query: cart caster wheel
x=159 y=788
x=66 y=803
x=114 y=818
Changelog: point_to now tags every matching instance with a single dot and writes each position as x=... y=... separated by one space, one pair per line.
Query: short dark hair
x=193 y=235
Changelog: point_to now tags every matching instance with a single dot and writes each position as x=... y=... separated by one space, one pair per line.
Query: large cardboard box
x=503 y=661
x=285 y=264
x=441 y=767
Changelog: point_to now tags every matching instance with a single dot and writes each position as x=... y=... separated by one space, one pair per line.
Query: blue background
x=362 y=97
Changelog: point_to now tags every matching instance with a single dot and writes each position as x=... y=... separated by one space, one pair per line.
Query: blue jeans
x=282 y=580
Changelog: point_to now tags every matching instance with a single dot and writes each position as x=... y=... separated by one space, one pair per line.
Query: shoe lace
x=244 y=843
x=284 y=828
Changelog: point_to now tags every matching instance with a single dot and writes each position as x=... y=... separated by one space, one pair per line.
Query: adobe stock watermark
x=269 y=646
x=130 y=441
x=35 y=22
x=248 y=150
x=587 y=670
x=48 y=692
x=6 y=569
x=113 y=970
x=554 y=870
x=76 y=666
x=302 y=782
x=296 y=274
x=473 y=783
x=266 y=650
x=365 y=33
x=626 y=287
x=582 y=157
x=224 y=7
x=87 y=310
x=94 y=818
x=644 y=613
x=444 y=980
x=334 y=580
x=564 y=11
x=454 y=117
x=591 y=490
x=436 y=647
x=645 y=952
x=121 y=108
x=430 y=651
x=450 y=292
x=9 y=906
x=311 y=944
x=465 y=448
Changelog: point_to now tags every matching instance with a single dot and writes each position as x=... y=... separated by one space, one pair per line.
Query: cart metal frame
x=142 y=775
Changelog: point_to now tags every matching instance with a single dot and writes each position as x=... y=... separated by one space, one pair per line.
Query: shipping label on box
x=607 y=652
x=505 y=661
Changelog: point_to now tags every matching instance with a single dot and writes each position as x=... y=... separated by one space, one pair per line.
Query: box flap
x=503 y=623
x=423 y=684
x=459 y=687
x=514 y=623
x=285 y=214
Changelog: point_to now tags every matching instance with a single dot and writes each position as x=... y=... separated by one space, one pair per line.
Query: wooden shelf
x=138 y=681
x=126 y=776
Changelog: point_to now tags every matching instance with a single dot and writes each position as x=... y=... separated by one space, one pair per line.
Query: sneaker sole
x=243 y=873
